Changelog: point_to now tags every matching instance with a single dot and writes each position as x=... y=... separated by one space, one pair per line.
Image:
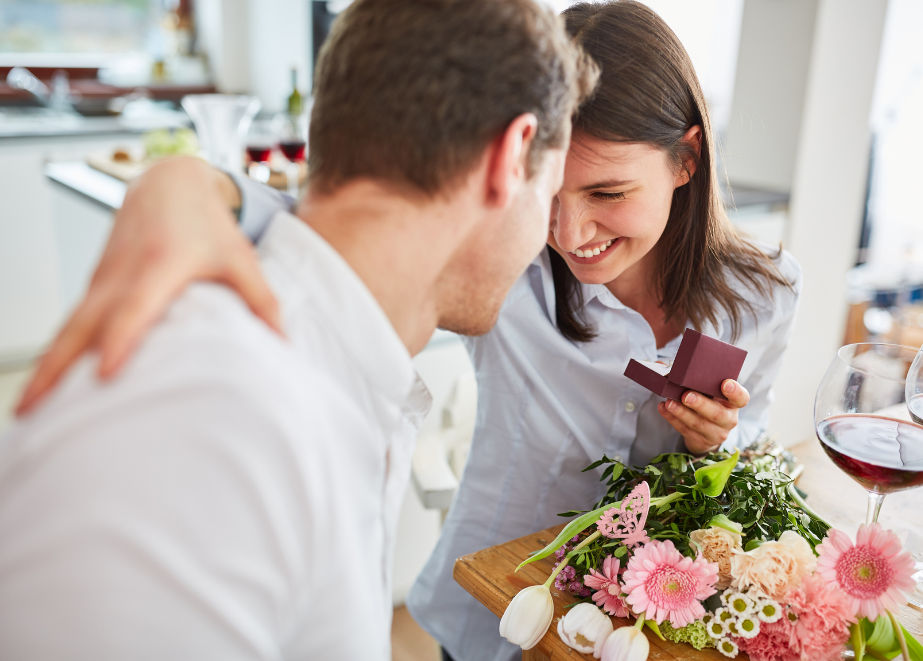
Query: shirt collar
x=327 y=280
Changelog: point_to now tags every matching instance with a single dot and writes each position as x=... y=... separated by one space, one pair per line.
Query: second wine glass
x=862 y=422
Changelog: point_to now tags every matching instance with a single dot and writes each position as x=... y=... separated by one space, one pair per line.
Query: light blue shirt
x=547 y=408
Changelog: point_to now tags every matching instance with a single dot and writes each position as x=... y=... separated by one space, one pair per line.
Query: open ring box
x=702 y=364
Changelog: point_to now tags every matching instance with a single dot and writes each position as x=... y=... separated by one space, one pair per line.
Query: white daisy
x=727 y=647
x=716 y=629
x=724 y=615
x=740 y=604
x=748 y=627
x=768 y=610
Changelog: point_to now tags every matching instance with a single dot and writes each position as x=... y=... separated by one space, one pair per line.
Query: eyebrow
x=615 y=183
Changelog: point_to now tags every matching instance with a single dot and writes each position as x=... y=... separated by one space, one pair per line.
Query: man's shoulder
x=212 y=351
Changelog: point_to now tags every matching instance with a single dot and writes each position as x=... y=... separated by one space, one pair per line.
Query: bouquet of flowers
x=718 y=552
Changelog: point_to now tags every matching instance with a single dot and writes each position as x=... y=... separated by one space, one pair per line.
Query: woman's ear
x=693 y=139
x=507 y=164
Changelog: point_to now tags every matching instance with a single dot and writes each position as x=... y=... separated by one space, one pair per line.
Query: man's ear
x=507 y=161
x=693 y=138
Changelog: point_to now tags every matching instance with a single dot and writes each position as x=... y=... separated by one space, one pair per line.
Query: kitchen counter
x=28 y=123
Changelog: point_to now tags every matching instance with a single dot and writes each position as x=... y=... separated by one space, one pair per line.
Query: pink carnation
x=663 y=584
x=824 y=616
x=772 y=643
x=608 y=595
x=875 y=572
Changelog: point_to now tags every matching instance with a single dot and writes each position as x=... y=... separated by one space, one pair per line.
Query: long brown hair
x=649 y=93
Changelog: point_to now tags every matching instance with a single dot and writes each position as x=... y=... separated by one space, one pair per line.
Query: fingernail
x=690 y=398
x=671 y=405
x=728 y=386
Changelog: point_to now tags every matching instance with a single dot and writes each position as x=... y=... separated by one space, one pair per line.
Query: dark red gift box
x=702 y=364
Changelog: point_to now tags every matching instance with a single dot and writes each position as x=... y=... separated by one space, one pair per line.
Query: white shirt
x=547 y=408
x=231 y=495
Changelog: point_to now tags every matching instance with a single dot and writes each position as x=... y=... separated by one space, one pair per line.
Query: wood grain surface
x=489 y=574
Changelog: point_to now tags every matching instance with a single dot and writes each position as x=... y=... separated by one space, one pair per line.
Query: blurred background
x=817 y=104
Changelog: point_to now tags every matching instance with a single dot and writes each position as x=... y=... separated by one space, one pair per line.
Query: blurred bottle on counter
x=295 y=100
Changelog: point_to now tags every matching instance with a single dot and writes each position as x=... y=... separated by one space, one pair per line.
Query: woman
x=640 y=248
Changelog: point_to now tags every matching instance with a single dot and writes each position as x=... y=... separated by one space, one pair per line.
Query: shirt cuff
x=258 y=204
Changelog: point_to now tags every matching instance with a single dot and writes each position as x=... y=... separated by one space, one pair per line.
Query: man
x=233 y=494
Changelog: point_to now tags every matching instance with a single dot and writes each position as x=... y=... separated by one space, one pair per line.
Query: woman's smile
x=594 y=251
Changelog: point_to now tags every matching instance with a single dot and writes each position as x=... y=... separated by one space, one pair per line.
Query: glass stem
x=875 y=501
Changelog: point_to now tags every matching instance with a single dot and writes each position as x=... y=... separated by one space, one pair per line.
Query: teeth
x=603 y=247
x=595 y=251
x=579 y=252
x=608 y=243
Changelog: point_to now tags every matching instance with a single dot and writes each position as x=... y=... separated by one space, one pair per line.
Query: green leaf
x=653 y=625
x=882 y=638
x=721 y=521
x=578 y=525
x=752 y=544
x=713 y=478
x=620 y=551
x=597 y=464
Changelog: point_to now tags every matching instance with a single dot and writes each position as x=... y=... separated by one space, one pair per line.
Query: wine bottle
x=295 y=100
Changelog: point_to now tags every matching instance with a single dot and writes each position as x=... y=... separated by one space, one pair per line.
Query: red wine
x=915 y=406
x=258 y=153
x=293 y=149
x=882 y=454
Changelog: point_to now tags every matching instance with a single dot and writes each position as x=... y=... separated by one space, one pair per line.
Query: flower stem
x=566 y=561
x=664 y=500
x=639 y=624
x=899 y=632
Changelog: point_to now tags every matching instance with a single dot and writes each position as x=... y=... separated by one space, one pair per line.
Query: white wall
x=897 y=229
x=253 y=44
x=828 y=197
x=762 y=137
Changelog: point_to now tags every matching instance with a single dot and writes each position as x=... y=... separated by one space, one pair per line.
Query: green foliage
x=693 y=634
x=755 y=496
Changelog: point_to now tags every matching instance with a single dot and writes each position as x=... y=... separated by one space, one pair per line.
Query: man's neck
x=397 y=244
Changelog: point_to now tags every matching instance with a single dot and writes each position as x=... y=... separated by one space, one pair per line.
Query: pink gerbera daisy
x=875 y=572
x=608 y=595
x=663 y=584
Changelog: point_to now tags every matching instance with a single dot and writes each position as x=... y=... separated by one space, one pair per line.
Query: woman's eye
x=599 y=195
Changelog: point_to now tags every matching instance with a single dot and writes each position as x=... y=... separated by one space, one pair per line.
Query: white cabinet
x=30 y=263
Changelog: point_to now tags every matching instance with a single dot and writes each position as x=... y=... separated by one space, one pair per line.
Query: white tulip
x=626 y=644
x=585 y=629
x=528 y=616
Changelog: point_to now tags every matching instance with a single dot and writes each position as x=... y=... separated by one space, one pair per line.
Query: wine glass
x=914 y=390
x=260 y=141
x=293 y=140
x=862 y=423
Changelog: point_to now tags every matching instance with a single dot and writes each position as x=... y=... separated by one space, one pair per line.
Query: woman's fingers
x=723 y=414
x=75 y=338
x=698 y=405
x=696 y=441
x=697 y=422
x=244 y=276
x=138 y=308
x=736 y=394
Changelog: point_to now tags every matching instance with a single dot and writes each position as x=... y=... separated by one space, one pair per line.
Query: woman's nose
x=570 y=226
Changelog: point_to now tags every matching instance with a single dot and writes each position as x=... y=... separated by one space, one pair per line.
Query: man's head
x=423 y=94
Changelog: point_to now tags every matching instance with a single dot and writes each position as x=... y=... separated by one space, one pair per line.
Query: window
x=78 y=26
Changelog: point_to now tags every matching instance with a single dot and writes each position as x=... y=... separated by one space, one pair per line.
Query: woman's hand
x=175 y=226
x=705 y=423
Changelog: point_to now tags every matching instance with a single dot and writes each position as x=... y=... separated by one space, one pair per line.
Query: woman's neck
x=636 y=289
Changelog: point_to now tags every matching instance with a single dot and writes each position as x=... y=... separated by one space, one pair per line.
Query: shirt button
x=618 y=458
x=630 y=407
